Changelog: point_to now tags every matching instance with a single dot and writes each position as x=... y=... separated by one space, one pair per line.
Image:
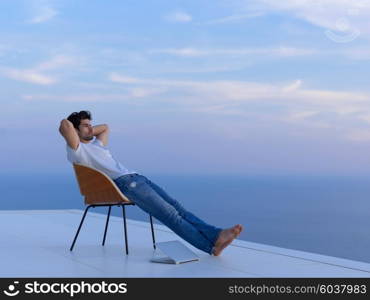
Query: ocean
x=327 y=215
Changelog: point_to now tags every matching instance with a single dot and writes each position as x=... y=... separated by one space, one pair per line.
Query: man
x=83 y=148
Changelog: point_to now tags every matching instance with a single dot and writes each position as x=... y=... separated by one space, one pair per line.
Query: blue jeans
x=155 y=201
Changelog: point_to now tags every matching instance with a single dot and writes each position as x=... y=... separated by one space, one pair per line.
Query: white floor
x=35 y=243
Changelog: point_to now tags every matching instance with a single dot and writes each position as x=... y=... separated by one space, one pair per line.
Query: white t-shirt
x=97 y=156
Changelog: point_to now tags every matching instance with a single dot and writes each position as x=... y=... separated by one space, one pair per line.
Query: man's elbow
x=61 y=130
x=61 y=126
x=64 y=125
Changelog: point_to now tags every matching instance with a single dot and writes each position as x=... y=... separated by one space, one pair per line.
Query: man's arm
x=101 y=132
x=69 y=133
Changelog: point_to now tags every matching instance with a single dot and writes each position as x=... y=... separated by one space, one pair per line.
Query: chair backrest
x=96 y=186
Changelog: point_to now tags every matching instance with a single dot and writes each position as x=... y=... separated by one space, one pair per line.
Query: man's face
x=85 y=131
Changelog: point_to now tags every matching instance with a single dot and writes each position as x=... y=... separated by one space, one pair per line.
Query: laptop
x=173 y=252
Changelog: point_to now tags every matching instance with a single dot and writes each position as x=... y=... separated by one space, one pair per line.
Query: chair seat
x=97 y=203
x=100 y=190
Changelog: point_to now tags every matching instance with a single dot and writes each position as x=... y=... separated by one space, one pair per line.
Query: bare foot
x=226 y=237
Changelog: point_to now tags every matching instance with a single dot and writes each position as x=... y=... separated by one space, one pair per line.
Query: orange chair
x=100 y=190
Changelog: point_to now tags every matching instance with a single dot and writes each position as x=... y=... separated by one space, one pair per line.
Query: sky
x=190 y=87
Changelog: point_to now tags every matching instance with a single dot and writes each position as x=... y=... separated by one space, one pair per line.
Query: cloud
x=43 y=12
x=289 y=102
x=178 y=17
x=285 y=94
x=361 y=135
x=357 y=53
x=221 y=67
x=123 y=79
x=28 y=76
x=145 y=92
x=294 y=86
x=365 y=117
x=81 y=98
x=280 y=51
x=246 y=90
x=181 y=52
x=55 y=63
x=301 y=115
x=270 y=52
x=232 y=18
x=341 y=16
x=307 y=118
x=35 y=75
x=128 y=95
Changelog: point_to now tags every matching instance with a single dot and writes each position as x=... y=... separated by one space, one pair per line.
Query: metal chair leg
x=106 y=224
x=124 y=224
x=79 y=227
x=151 y=224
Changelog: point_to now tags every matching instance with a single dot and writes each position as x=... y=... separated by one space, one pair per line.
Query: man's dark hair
x=76 y=117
